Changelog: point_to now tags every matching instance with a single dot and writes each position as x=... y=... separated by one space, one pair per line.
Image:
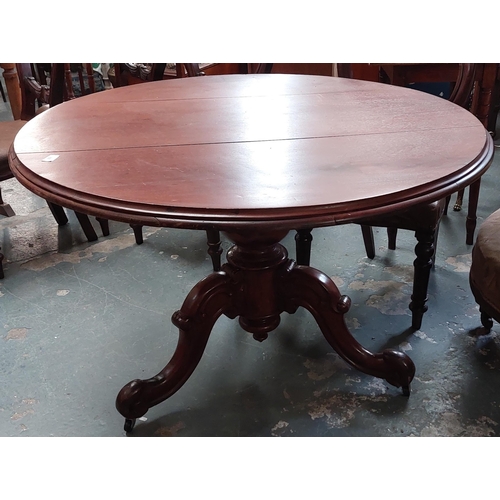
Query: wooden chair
x=35 y=98
x=423 y=219
x=484 y=98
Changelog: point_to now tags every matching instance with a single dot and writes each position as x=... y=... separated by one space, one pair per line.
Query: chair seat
x=423 y=216
x=8 y=131
x=485 y=269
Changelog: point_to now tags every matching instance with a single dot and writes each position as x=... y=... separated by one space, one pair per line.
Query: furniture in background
x=484 y=275
x=224 y=169
x=12 y=86
x=36 y=98
x=484 y=104
x=423 y=219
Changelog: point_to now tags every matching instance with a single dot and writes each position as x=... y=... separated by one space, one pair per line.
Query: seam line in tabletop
x=249 y=96
x=246 y=141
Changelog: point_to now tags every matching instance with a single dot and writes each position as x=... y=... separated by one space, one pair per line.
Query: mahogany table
x=254 y=156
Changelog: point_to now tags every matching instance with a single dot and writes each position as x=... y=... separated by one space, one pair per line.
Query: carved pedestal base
x=257 y=284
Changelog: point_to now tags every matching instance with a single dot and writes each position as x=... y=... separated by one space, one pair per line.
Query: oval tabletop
x=233 y=150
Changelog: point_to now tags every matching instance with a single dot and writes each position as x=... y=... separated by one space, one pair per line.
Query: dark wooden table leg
x=307 y=287
x=258 y=283
x=206 y=302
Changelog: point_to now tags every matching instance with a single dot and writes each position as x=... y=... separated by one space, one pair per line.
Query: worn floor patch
x=461 y=263
x=110 y=245
x=392 y=299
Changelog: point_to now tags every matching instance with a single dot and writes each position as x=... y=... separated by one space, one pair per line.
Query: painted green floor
x=79 y=320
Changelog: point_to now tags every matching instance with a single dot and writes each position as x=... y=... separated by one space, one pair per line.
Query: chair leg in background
x=470 y=222
x=303 y=240
x=84 y=221
x=5 y=208
x=214 y=248
x=486 y=320
x=424 y=251
x=367 y=232
x=58 y=213
x=137 y=233
x=392 y=233
x=104 y=223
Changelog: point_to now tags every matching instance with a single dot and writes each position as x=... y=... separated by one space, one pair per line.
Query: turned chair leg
x=367 y=232
x=214 y=248
x=424 y=251
x=303 y=240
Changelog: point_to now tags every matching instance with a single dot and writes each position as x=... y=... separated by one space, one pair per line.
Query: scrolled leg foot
x=400 y=369
x=208 y=300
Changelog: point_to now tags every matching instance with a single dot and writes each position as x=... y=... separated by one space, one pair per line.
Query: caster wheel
x=406 y=390
x=129 y=424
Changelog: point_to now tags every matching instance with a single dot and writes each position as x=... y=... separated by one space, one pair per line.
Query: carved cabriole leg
x=214 y=247
x=424 y=250
x=313 y=290
x=303 y=240
x=470 y=223
x=257 y=283
x=208 y=300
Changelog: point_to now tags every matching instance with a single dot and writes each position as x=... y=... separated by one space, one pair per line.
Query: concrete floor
x=79 y=320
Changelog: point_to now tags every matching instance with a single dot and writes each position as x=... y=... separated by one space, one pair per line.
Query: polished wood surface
x=254 y=156
x=251 y=148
